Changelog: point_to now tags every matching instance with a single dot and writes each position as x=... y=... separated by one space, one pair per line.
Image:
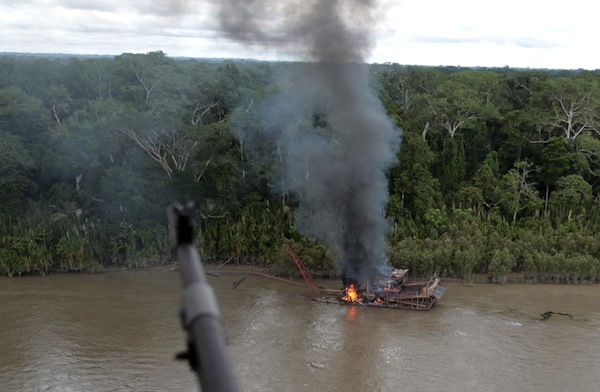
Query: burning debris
x=394 y=291
x=351 y=294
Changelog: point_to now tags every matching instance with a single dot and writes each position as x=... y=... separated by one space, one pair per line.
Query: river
x=119 y=331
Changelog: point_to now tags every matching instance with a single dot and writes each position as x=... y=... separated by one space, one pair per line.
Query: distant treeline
x=498 y=170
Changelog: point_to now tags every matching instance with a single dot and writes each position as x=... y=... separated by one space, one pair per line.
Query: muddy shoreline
x=219 y=268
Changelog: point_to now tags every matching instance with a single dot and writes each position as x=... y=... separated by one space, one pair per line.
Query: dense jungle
x=497 y=173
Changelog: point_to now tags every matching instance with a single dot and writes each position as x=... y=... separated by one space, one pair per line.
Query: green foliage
x=72 y=253
x=435 y=221
x=572 y=196
x=452 y=167
x=556 y=160
x=16 y=172
x=139 y=246
x=500 y=265
x=253 y=238
x=559 y=268
x=92 y=151
x=41 y=249
x=517 y=193
x=313 y=253
x=413 y=184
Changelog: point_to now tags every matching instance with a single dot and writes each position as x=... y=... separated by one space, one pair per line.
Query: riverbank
x=221 y=268
x=218 y=269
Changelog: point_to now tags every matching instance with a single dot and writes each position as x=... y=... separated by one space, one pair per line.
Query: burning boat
x=395 y=291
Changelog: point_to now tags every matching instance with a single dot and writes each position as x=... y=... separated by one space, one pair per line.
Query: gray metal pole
x=207 y=345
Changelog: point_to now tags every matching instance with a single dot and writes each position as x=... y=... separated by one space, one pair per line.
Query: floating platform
x=406 y=294
x=395 y=291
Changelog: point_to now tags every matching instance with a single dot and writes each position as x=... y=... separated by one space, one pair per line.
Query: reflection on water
x=351 y=313
x=119 y=332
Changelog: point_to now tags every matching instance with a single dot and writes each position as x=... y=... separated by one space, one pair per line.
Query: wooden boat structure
x=396 y=291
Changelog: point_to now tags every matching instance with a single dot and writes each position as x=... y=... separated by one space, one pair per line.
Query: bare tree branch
x=574 y=115
x=200 y=110
x=141 y=78
x=168 y=148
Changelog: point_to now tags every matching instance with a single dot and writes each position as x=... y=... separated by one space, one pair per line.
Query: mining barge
x=396 y=291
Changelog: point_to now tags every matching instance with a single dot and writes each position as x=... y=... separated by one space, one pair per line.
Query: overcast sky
x=515 y=33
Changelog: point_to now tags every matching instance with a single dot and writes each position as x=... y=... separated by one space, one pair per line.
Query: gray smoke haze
x=335 y=137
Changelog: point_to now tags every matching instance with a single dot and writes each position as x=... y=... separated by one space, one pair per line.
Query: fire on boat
x=395 y=291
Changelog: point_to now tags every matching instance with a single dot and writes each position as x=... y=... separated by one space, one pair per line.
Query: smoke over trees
x=336 y=139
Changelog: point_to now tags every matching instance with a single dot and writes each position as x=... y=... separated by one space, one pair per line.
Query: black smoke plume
x=335 y=137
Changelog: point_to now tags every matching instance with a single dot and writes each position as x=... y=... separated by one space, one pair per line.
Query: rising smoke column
x=336 y=138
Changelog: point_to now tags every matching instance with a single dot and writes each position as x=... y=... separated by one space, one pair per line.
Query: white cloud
x=517 y=33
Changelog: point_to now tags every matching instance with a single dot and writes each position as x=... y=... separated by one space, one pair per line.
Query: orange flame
x=351 y=294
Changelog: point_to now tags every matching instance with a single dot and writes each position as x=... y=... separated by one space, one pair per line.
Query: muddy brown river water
x=119 y=331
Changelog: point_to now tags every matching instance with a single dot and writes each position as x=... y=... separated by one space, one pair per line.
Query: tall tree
x=143 y=76
x=451 y=167
x=557 y=161
x=487 y=178
x=517 y=191
x=575 y=103
x=573 y=195
x=463 y=99
x=587 y=156
x=415 y=189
